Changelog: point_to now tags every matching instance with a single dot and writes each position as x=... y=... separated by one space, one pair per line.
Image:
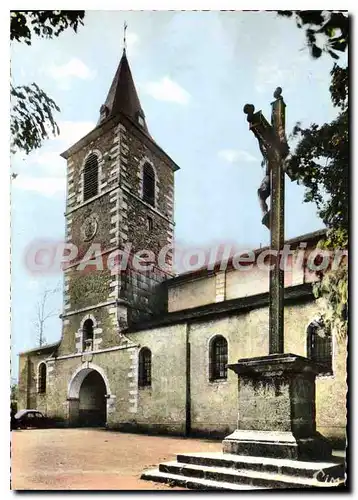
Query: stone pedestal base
x=277 y=445
x=277 y=409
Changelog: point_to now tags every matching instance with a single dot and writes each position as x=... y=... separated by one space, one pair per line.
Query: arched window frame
x=218 y=360
x=145 y=367
x=146 y=162
x=80 y=334
x=41 y=377
x=316 y=350
x=100 y=160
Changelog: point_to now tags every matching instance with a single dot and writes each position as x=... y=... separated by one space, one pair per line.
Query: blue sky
x=194 y=71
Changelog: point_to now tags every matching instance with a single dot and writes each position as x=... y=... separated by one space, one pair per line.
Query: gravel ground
x=93 y=459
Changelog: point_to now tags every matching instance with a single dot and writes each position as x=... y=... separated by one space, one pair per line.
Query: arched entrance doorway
x=92 y=401
x=87 y=398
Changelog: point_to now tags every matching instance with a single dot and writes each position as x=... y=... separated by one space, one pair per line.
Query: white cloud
x=44 y=171
x=46 y=186
x=71 y=132
x=48 y=163
x=271 y=74
x=235 y=156
x=167 y=90
x=132 y=40
x=74 y=68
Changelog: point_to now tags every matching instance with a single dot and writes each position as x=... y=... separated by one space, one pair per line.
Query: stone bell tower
x=120 y=200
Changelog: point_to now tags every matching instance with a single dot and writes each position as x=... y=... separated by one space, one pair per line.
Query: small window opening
x=149 y=224
x=42 y=378
x=218 y=358
x=319 y=345
x=149 y=184
x=87 y=335
x=145 y=368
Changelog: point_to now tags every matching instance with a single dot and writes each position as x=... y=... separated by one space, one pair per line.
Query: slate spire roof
x=122 y=96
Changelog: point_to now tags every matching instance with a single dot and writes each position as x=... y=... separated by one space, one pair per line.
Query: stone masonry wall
x=28 y=395
x=191 y=294
x=161 y=408
x=105 y=330
x=142 y=289
x=114 y=366
x=121 y=218
x=214 y=404
x=88 y=289
x=231 y=283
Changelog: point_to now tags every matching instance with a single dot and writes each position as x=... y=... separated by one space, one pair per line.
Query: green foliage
x=339 y=87
x=326 y=31
x=14 y=392
x=32 y=119
x=44 y=23
x=332 y=295
x=320 y=161
x=32 y=110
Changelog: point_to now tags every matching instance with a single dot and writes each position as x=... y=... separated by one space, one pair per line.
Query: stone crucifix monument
x=276 y=444
x=276 y=392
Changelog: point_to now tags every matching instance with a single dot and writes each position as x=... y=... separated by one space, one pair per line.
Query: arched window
x=218 y=358
x=319 y=345
x=145 y=367
x=42 y=378
x=149 y=184
x=87 y=335
x=90 y=177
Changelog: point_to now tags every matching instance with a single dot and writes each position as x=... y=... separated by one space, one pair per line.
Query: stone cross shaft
x=273 y=146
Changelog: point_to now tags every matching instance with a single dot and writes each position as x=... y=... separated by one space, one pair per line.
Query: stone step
x=321 y=470
x=241 y=476
x=193 y=483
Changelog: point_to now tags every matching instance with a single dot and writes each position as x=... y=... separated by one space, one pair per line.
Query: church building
x=145 y=350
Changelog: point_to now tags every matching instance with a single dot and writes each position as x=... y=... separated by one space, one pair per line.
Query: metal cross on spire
x=125 y=26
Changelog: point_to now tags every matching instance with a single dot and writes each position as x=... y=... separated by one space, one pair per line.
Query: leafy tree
x=332 y=296
x=326 y=31
x=32 y=119
x=32 y=110
x=320 y=160
x=44 y=23
x=14 y=391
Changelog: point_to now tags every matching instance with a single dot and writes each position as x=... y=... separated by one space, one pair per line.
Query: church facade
x=142 y=349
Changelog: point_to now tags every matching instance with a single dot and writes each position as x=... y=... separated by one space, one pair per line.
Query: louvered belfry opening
x=145 y=367
x=218 y=358
x=319 y=345
x=149 y=184
x=90 y=187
